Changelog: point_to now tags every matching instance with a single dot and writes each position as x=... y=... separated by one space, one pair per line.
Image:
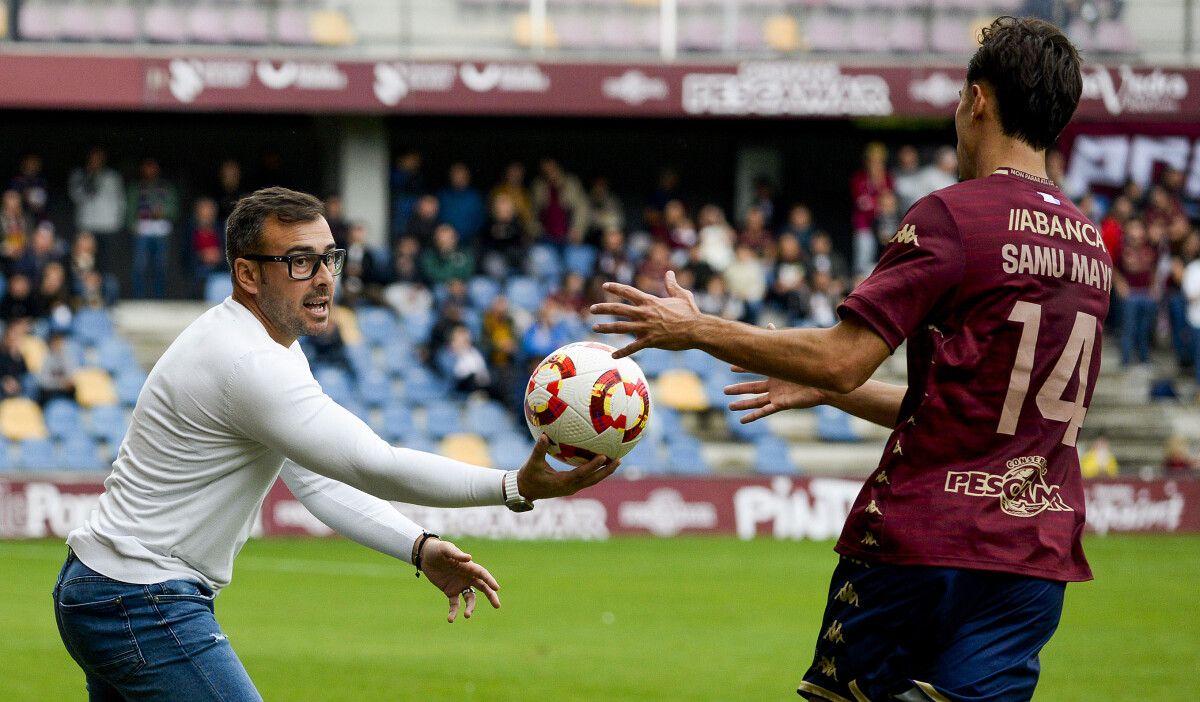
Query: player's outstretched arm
x=454 y=573
x=873 y=401
x=537 y=480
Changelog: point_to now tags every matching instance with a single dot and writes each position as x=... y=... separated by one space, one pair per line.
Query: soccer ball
x=587 y=402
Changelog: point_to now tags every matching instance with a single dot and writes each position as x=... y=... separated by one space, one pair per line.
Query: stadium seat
x=116 y=356
x=745 y=432
x=509 y=450
x=217 y=287
x=686 y=457
x=357 y=408
x=39 y=455
x=377 y=324
x=335 y=383
x=348 y=325
x=91 y=326
x=207 y=24
x=118 y=23
x=63 y=418
x=79 y=452
x=772 y=456
x=399 y=355
x=682 y=390
x=416 y=326
x=442 y=418
x=248 y=24
x=360 y=358
x=330 y=27
x=645 y=457
x=487 y=417
x=33 y=350
x=580 y=259
x=834 y=425
x=465 y=447
x=165 y=23
x=37 y=21
x=417 y=441
x=525 y=293
x=109 y=424
x=129 y=385
x=700 y=34
x=422 y=386
x=21 y=418
x=396 y=421
x=481 y=291
x=77 y=21
x=654 y=361
x=94 y=388
x=291 y=26
x=374 y=387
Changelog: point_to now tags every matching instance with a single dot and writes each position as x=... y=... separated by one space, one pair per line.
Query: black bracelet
x=425 y=536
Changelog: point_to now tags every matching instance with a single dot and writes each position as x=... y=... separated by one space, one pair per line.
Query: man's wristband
x=425 y=536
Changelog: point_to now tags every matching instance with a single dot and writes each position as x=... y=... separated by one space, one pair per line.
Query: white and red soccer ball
x=587 y=402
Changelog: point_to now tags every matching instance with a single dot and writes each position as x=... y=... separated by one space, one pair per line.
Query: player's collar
x=1027 y=176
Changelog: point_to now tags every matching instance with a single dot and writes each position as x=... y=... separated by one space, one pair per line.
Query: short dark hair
x=244 y=228
x=1034 y=70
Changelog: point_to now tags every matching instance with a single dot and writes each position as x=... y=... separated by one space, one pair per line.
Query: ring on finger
x=468 y=591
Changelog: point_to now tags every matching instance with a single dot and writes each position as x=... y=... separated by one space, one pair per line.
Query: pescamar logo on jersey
x=1022 y=490
x=906 y=235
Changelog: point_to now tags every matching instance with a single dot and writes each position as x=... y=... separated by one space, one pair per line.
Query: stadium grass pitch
x=628 y=619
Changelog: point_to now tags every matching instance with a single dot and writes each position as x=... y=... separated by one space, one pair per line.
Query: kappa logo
x=906 y=235
x=1022 y=490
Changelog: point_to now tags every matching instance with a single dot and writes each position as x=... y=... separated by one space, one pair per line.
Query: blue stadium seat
x=39 y=454
x=645 y=457
x=422 y=386
x=115 y=355
x=488 y=419
x=79 y=452
x=686 y=457
x=129 y=385
x=581 y=259
x=510 y=450
x=217 y=287
x=378 y=324
x=360 y=359
x=396 y=421
x=745 y=432
x=416 y=326
x=63 y=418
x=482 y=290
x=335 y=383
x=374 y=387
x=834 y=425
x=92 y=326
x=525 y=293
x=109 y=424
x=417 y=441
x=442 y=417
x=699 y=362
x=545 y=263
x=772 y=456
x=356 y=408
x=398 y=356
x=654 y=361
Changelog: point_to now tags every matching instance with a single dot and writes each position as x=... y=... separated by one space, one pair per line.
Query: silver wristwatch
x=512 y=497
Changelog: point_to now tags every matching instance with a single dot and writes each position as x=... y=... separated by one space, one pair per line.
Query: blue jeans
x=1137 y=326
x=149 y=266
x=1196 y=355
x=1181 y=331
x=146 y=642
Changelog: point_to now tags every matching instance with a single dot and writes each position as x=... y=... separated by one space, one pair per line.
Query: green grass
x=629 y=619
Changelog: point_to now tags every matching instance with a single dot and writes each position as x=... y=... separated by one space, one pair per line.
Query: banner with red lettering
x=780 y=507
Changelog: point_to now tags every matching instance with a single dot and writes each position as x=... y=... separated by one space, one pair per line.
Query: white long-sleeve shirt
x=224 y=412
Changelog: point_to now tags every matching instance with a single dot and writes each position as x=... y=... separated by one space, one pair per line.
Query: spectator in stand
x=1098 y=460
x=716 y=238
x=681 y=231
x=84 y=274
x=652 y=269
x=43 y=248
x=800 y=225
x=1056 y=171
x=571 y=295
x=30 y=182
x=605 y=210
x=613 y=262
x=865 y=188
x=666 y=190
x=746 y=279
x=827 y=293
x=463 y=363
x=20 y=301
x=907 y=182
x=206 y=243
x=1190 y=286
x=697 y=269
x=560 y=204
x=228 y=190
x=714 y=299
x=1177 y=254
x=151 y=210
x=56 y=377
x=99 y=196
x=513 y=185
x=943 y=172
x=1112 y=227
x=406 y=292
x=789 y=292
x=446 y=259
x=1160 y=208
x=887 y=218
x=12 y=361
x=329 y=347
x=54 y=290
x=755 y=233
x=504 y=242
x=545 y=335
x=16 y=226
x=500 y=347
x=425 y=219
x=335 y=214
x=1178 y=461
x=1135 y=279
x=462 y=205
x=407 y=185
x=362 y=275
x=825 y=260
x=1174 y=181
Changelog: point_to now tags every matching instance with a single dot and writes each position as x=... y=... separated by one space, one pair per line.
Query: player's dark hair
x=1034 y=71
x=244 y=228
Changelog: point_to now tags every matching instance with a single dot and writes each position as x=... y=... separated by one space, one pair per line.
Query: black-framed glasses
x=303 y=266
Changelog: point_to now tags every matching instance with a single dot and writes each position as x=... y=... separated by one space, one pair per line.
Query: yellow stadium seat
x=347 y=322
x=468 y=448
x=523 y=32
x=782 y=33
x=94 y=388
x=682 y=390
x=33 y=349
x=21 y=418
x=330 y=28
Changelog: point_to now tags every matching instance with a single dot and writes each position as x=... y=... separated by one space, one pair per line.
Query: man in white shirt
x=1191 y=292
x=230 y=406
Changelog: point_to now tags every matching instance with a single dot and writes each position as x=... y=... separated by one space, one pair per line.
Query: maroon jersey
x=1000 y=286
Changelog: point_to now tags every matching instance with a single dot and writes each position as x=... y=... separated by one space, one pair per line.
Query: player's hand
x=659 y=322
x=537 y=480
x=453 y=572
x=772 y=395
